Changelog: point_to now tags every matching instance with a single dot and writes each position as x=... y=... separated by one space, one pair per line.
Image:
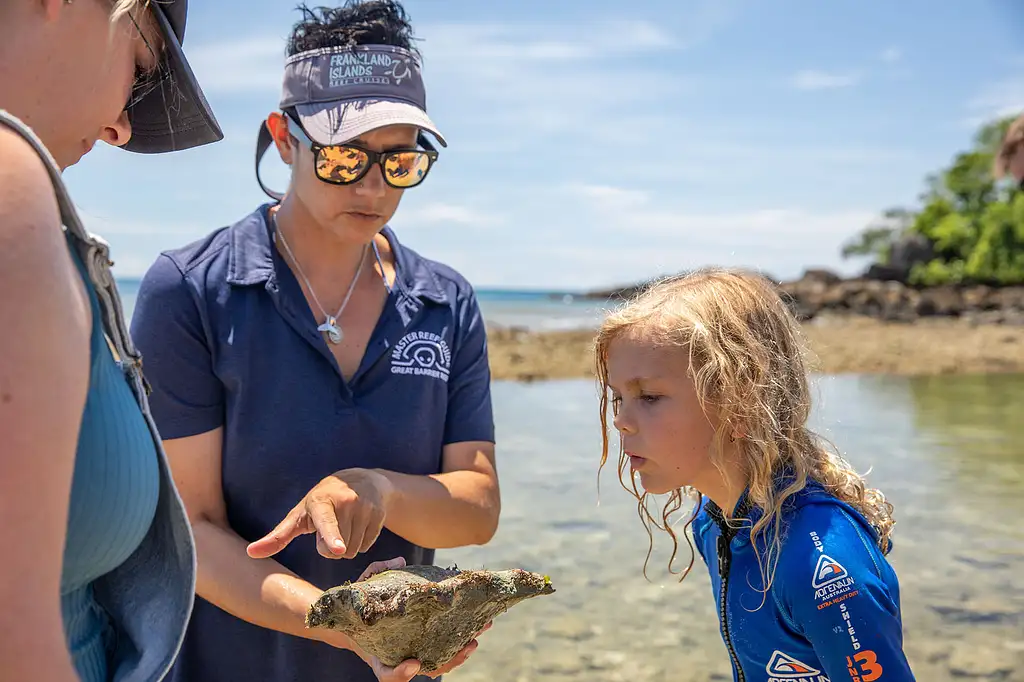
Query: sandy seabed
x=839 y=345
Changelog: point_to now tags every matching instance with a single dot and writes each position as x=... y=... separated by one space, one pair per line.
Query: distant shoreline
x=840 y=344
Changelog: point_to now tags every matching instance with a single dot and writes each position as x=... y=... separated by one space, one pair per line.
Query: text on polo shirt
x=422 y=354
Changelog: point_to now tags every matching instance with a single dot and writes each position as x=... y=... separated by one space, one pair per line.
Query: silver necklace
x=330 y=325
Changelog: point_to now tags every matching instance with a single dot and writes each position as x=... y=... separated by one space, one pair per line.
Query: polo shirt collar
x=251 y=259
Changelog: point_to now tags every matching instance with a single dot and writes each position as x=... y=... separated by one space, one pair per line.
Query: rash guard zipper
x=724 y=560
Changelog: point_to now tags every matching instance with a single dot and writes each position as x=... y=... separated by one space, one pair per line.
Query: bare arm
x=457 y=507
x=44 y=375
x=348 y=509
x=264 y=593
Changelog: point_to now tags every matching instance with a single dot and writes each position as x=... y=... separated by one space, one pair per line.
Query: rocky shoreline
x=821 y=292
x=884 y=297
x=840 y=343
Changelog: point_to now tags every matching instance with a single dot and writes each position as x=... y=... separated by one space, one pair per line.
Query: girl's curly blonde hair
x=747 y=362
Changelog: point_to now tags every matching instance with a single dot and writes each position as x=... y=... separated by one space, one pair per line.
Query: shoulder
x=188 y=270
x=701 y=529
x=445 y=278
x=34 y=256
x=178 y=282
x=28 y=205
x=451 y=279
x=194 y=259
x=827 y=547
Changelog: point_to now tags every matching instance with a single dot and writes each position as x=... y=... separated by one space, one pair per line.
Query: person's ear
x=277 y=124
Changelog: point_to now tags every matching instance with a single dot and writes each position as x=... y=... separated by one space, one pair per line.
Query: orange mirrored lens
x=347 y=164
x=405 y=169
x=341 y=164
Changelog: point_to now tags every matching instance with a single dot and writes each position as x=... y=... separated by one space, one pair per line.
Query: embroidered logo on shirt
x=422 y=354
x=785 y=667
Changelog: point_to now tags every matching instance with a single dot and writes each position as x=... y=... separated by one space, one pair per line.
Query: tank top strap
x=94 y=254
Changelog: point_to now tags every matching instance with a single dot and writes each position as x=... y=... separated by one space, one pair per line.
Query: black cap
x=175 y=115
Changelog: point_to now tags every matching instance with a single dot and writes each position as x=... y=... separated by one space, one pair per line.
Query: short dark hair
x=355 y=22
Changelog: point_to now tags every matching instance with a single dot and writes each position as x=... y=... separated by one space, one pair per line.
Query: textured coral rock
x=424 y=612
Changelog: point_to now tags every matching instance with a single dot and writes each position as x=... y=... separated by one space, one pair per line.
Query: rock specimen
x=424 y=612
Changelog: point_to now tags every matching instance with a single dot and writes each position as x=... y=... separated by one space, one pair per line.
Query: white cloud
x=252 y=64
x=582 y=236
x=812 y=79
x=548 y=79
x=544 y=78
x=442 y=213
x=891 y=55
x=622 y=209
x=606 y=197
x=113 y=227
x=631 y=247
x=996 y=100
x=470 y=43
x=255 y=63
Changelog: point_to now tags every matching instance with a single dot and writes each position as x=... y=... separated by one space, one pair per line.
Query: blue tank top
x=114 y=494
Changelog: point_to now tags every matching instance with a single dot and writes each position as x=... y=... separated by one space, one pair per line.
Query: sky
x=597 y=142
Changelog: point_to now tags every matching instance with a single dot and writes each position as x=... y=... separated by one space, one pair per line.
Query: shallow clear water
x=946 y=451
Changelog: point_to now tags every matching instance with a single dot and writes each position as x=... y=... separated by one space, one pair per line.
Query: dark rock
x=910 y=250
x=885 y=273
x=945 y=300
x=821 y=276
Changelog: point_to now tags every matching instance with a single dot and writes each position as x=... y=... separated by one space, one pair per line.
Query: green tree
x=975 y=225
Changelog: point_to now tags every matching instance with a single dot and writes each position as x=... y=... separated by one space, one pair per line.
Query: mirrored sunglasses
x=344 y=164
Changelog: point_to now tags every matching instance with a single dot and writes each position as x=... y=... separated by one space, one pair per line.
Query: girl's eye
x=650 y=398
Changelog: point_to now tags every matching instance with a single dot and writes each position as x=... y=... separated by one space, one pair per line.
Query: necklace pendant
x=330 y=326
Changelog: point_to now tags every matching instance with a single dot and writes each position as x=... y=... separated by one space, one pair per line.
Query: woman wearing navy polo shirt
x=311 y=374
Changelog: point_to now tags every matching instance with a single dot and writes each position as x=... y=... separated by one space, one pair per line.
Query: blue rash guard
x=833 y=611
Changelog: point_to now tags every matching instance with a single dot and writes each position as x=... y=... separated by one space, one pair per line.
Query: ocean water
x=536 y=310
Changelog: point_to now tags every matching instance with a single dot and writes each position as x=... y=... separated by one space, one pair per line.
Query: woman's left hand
x=346 y=510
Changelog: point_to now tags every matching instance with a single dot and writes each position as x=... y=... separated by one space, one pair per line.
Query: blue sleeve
x=187 y=397
x=834 y=589
x=470 y=416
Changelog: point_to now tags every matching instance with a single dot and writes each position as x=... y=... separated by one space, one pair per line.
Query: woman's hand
x=346 y=510
x=406 y=670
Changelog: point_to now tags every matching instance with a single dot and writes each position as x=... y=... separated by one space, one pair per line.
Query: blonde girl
x=705 y=380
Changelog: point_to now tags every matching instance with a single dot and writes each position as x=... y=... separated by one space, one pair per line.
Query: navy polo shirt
x=228 y=339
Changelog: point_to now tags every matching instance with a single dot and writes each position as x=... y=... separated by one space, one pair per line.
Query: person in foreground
x=98 y=577
x=704 y=377
x=312 y=375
